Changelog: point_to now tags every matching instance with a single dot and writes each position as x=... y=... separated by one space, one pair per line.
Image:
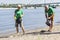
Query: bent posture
x=49 y=17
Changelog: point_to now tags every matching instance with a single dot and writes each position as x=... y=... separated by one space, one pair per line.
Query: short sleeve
x=21 y=11
x=51 y=9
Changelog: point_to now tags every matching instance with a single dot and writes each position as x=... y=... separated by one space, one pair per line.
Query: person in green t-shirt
x=49 y=13
x=18 y=18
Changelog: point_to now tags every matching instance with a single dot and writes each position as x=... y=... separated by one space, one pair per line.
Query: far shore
x=8 y=8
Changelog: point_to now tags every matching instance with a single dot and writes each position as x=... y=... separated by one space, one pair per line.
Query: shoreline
x=37 y=28
x=35 y=35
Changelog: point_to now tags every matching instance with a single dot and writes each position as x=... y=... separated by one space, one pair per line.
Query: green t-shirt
x=50 y=11
x=18 y=13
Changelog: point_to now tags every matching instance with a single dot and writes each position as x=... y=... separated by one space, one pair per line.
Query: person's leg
x=17 y=27
x=22 y=27
x=51 y=25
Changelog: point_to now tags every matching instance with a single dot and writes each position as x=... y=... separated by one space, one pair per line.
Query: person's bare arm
x=46 y=15
x=15 y=15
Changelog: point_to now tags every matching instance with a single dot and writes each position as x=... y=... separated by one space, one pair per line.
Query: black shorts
x=19 y=20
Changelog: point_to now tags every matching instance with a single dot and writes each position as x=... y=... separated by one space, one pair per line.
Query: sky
x=27 y=1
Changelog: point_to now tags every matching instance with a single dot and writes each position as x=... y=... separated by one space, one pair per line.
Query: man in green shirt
x=49 y=13
x=18 y=18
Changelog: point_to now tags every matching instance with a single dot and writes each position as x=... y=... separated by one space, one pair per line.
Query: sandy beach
x=36 y=35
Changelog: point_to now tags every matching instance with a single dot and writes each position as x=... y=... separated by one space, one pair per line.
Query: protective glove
x=14 y=17
x=21 y=16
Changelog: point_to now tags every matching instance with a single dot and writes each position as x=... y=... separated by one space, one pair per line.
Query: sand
x=36 y=35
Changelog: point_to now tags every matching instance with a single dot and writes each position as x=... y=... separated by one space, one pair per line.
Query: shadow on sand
x=36 y=33
x=43 y=33
x=3 y=36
